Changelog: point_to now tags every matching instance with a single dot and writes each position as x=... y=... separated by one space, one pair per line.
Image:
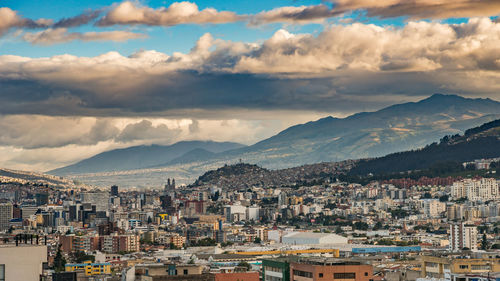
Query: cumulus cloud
x=10 y=19
x=421 y=9
x=296 y=15
x=145 y=130
x=177 y=13
x=60 y=35
x=287 y=71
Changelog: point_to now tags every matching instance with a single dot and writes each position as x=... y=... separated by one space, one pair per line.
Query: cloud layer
x=287 y=71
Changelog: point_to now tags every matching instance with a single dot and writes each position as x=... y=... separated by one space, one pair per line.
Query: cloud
x=285 y=72
x=177 y=13
x=145 y=130
x=421 y=9
x=61 y=35
x=299 y=15
x=10 y=19
x=78 y=20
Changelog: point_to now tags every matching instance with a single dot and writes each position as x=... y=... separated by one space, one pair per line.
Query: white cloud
x=177 y=13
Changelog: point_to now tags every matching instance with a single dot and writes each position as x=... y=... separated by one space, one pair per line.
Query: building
x=6 y=211
x=99 y=199
x=439 y=267
x=23 y=262
x=232 y=276
x=277 y=269
x=89 y=268
x=483 y=189
x=330 y=269
x=302 y=238
x=114 y=190
x=433 y=208
x=463 y=236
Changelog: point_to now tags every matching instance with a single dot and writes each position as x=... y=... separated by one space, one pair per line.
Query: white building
x=433 y=208
x=6 y=210
x=23 y=262
x=99 y=199
x=303 y=238
x=483 y=189
x=462 y=236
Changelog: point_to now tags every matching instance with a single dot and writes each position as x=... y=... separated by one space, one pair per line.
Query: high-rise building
x=483 y=189
x=463 y=236
x=114 y=190
x=42 y=199
x=6 y=210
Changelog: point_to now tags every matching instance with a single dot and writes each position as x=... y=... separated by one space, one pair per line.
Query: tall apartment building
x=6 y=211
x=463 y=236
x=433 y=208
x=483 y=189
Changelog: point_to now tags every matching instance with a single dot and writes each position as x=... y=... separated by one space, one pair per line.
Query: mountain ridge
x=398 y=127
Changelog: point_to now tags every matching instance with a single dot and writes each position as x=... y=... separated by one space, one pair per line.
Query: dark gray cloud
x=421 y=9
x=78 y=20
x=300 y=14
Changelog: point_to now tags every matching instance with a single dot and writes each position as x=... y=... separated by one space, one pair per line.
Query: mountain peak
x=440 y=97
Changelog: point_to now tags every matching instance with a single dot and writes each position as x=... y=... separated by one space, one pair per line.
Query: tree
x=245 y=264
x=257 y=240
x=59 y=261
x=484 y=242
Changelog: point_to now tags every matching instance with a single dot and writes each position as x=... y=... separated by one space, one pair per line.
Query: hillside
x=242 y=175
x=476 y=143
x=145 y=156
x=26 y=177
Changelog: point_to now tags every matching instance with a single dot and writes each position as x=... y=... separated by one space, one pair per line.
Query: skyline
x=81 y=78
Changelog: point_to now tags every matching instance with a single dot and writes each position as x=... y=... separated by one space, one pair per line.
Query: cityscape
x=314 y=140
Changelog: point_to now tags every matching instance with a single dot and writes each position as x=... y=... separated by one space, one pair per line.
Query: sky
x=81 y=77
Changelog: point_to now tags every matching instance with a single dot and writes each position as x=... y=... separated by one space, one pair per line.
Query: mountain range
x=395 y=128
x=147 y=156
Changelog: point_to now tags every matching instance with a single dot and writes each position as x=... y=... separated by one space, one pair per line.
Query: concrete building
x=433 y=208
x=463 y=236
x=439 y=267
x=277 y=269
x=330 y=269
x=483 y=189
x=24 y=262
x=303 y=238
x=6 y=210
x=99 y=199
x=90 y=269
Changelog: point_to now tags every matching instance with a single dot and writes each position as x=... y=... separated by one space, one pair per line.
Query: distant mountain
x=395 y=128
x=147 y=156
x=370 y=134
x=476 y=143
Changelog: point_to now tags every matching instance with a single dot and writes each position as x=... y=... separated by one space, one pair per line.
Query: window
x=366 y=274
x=463 y=266
x=2 y=272
x=344 y=275
x=321 y=275
x=185 y=272
x=302 y=273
